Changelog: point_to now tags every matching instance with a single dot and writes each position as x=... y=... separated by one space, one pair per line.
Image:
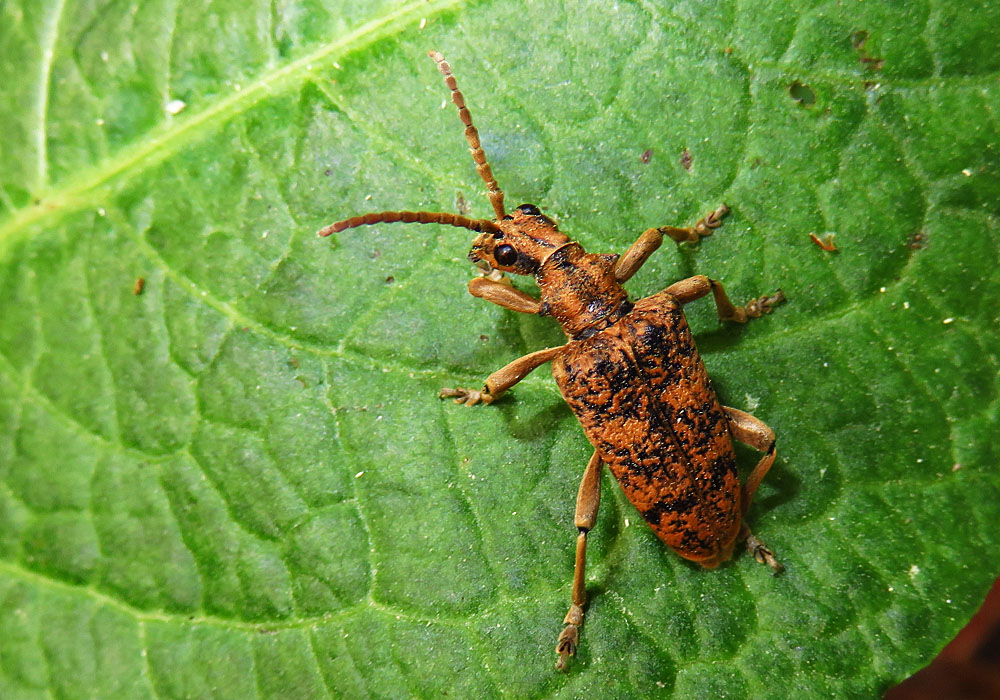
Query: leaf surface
x=240 y=482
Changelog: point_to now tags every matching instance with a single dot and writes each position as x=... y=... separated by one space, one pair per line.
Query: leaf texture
x=240 y=482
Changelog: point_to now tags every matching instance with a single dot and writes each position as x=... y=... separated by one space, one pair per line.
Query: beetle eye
x=530 y=209
x=505 y=254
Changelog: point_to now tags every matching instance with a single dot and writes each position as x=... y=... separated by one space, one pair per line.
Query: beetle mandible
x=630 y=372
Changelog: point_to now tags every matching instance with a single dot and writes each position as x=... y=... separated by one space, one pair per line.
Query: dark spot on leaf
x=859 y=40
x=917 y=241
x=802 y=94
x=284 y=44
x=328 y=172
x=646 y=156
x=461 y=205
x=686 y=159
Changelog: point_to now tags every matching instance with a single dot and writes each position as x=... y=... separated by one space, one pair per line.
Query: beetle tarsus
x=467 y=397
x=692 y=234
x=756 y=308
x=569 y=640
x=762 y=554
x=711 y=221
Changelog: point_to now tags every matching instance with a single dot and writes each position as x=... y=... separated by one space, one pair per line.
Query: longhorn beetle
x=630 y=372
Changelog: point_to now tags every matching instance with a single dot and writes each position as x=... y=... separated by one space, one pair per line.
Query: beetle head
x=521 y=242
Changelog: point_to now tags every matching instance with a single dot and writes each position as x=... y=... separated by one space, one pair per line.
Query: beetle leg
x=755 y=433
x=504 y=295
x=651 y=239
x=588 y=498
x=638 y=253
x=503 y=379
x=687 y=290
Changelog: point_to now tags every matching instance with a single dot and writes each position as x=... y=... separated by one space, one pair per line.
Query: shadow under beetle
x=630 y=371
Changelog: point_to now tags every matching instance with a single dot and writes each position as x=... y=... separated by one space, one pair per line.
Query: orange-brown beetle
x=630 y=372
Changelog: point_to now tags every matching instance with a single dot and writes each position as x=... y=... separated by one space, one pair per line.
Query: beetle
x=630 y=372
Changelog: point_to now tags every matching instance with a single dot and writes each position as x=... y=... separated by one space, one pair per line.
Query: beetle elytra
x=630 y=372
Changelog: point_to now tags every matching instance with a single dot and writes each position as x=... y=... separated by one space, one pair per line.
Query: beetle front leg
x=651 y=239
x=588 y=499
x=503 y=295
x=503 y=379
x=754 y=432
x=687 y=290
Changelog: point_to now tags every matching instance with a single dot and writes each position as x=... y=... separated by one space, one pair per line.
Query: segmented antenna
x=472 y=136
x=411 y=217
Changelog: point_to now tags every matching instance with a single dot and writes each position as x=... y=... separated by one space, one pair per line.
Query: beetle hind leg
x=754 y=432
x=588 y=499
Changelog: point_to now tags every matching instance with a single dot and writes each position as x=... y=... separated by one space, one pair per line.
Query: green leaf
x=240 y=482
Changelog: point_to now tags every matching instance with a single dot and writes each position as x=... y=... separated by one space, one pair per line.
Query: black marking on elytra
x=683 y=505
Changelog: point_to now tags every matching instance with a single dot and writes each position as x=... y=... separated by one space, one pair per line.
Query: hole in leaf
x=802 y=94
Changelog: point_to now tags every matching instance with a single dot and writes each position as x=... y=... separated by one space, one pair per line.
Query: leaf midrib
x=78 y=192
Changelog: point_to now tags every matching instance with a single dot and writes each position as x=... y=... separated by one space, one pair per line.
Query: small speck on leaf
x=917 y=241
x=686 y=159
x=825 y=241
x=175 y=106
x=462 y=205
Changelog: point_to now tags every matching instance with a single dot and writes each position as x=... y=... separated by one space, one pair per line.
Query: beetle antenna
x=411 y=217
x=472 y=136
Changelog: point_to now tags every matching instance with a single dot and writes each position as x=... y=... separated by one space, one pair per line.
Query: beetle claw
x=568 y=642
x=762 y=554
x=711 y=221
x=756 y=308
